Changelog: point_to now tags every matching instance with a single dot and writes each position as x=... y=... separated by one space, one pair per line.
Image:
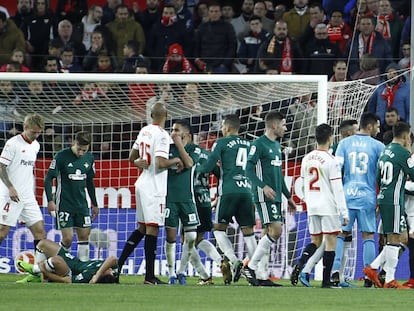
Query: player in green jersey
x=62 y=267
x=180 y=200
x=394 y=164
x=74 y=169
x=234 y=190
x=264 y=169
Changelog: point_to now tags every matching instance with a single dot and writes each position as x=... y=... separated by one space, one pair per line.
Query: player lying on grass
x=62 y=267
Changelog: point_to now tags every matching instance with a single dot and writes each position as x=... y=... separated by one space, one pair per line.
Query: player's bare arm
x=167 y=163
x=104 y=269
x=269 y=192
x=51 y=208
x=95 y=212
x=291 y=205
x=5 y=179
x=53 y=276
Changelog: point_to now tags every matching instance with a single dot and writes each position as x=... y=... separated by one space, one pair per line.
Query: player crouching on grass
x=62 y=267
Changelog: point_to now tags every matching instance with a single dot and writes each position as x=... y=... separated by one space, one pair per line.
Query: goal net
x=113 y=108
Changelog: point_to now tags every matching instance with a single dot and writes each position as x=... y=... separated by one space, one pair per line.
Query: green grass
x=131 y=294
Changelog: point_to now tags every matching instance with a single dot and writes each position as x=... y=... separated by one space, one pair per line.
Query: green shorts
x=78 y=219
x=393 y=219
x=206 y=221
x=186 y=212
x=269 y=212
x=238 y=205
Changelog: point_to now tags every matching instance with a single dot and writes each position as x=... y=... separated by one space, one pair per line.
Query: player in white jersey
x=325 y=199
x=17 y=197
x=150 y=153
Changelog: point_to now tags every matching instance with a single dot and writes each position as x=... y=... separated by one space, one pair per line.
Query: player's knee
x=190 y=236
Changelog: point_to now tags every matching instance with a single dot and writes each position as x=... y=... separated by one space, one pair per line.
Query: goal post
x=114 y=107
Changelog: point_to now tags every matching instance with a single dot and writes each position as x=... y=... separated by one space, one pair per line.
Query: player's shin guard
x=339 y=252
x=262 y=249
x=189 y=240
x=195 y=260
x=225 y=245
x=251 y=244
x=170 y=250
x=368 y=251
x=129 y=246
x=210 y=250
x=391 y=261
x=307 y=253
x=83 y=250
x=314 y=259
x=328 y=259
x=150 y=254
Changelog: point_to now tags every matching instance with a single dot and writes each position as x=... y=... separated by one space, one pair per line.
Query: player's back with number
x=319 y=169
x=232 y=152
x=153 y=141
x=359 y=155
x=394 y=165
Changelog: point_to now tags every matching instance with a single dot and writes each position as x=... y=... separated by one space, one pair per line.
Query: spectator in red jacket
x=176 y=62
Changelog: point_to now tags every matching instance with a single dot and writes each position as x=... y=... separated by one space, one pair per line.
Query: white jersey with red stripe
x=153 y=141
x=322 y=184
x=19 y=155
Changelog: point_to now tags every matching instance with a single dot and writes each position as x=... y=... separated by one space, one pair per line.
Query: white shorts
x=150 y=209
x=11 y=212
x=324 y=224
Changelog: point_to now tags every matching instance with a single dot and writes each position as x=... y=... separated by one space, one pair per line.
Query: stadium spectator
x=241 y=23
x=38 y=29
x=164 y=33
x=390 y=26
x=280 y=9
x=405 y=61
x=227 y=12
x=297 y=18
x=395 y=92
x=18 y=182
x=24 y=10
x=215 y=43
x=261 y=11
x=345 y=6
x=280 y=54
x=250 y=44
x=9 y=100
x=98 y=46
x=52 y=143
x=54 y=48
x=372 y=8
x=183 y=14
x=89 y=24
x=406 y=31
x=109 y=11
x=36 y=98
x=17 y=56
x=123 y=29
x=301 y=121
x=339 y=32
x=68 y=62
x=200 y=14
x=72 y=10
x=339 y=71
x=163 y=94
x=317 y=16
x=51 y=64
x=148 y=17
x=321 y=53
x=176 y=62
x=270 y=10
x=391 y=118
x=131 y=57
x=367 y=40
x=11 y=38
x=69 y=38
x=368 y=70
x=357 y=12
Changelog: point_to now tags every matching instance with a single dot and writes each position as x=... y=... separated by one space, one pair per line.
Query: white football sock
x=208 y=248
x=391 y=261
x=198 y=265
x=261 y=250
x=170 y=254
x=83 y=251
x=189 y=240
x=251 y=244
x=225 y=245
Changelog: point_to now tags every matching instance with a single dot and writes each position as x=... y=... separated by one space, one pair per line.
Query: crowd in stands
x=343 y=39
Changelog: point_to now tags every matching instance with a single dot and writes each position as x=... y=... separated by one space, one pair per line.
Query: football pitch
x=131 y=294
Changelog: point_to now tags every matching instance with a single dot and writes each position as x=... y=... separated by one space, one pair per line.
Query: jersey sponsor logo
x=86 y=165
x=27 y=163
x=52 y=165
x=276 y=161
x=252 y=150
x=70 y=165
x=77 y=176
x=410 y=162
x=70 y=256
x=354 y=192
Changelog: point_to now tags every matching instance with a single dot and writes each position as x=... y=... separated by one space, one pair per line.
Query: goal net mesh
x=113 y=108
